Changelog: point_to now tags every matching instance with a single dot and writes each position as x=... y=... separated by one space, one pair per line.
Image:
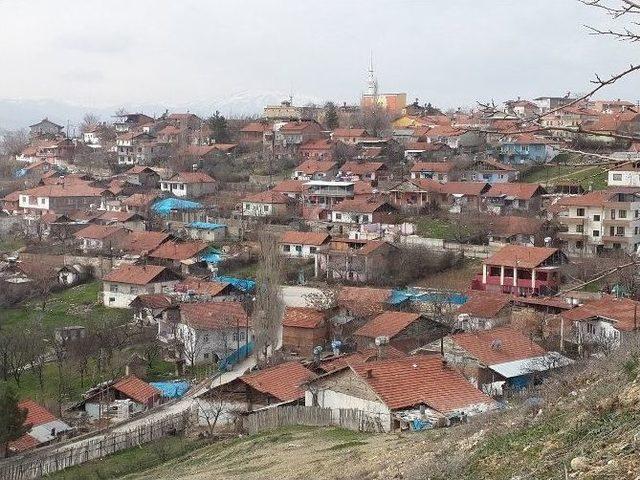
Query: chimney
x=369 y=373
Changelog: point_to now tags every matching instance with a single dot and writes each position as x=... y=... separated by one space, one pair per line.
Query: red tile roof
x=120 y=216
x=472 y=189
x=191 y=177
x=444 y=131
x=387 y=324
x=140 y=199
x=201 y=287
x=440 y=167
x=521 y=191
x=256 y=127
x=143 y=242
x=136 y=389
x=624 y=312
x=302 y=317
x=214 y=315
x=281 y=381
x=65 y=190
x=36 y=413
x=298 y=126
x=424 y=379
x=520 y=256
x=359 y=357
x=309 y=167
x=362 y=168
x=350 y=132
x=139 y=169
x=321 y=144
x=362 y=205
x=173 y=250
x=135 y=274
x=364 y=301
x=99 y=232
x=305 y=238
x=498 y=345
x=270 y=197
x=508 y=225
x=24 y=443
x=289 y=186
x=485 y=304
x=154 y=300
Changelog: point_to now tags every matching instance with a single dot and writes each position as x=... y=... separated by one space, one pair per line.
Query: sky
x=99 y=53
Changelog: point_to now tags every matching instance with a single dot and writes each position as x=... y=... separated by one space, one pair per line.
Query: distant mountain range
x=20 y=113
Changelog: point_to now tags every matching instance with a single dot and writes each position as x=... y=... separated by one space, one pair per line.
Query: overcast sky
x=451 y=53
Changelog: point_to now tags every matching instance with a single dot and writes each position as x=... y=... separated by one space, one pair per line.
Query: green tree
x=12 y=418
x=331 y=116
x=219 y=127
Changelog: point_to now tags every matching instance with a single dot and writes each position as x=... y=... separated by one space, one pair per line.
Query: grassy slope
x=594 y=177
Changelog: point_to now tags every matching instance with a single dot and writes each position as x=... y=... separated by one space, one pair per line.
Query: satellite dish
x=382 y=340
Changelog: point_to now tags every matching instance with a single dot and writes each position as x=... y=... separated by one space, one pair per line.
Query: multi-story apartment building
x=601 y=220
x=138 y=148
x=61 y=198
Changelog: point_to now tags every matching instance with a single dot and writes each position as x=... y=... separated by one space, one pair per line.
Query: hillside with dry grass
x=584 y=424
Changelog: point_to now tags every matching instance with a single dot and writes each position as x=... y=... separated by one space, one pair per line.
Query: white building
x=302 y=244
x=122 y=285
x=189 y=184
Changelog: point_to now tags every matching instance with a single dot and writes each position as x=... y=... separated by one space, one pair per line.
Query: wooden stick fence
x=272 y=418
x=51 y=459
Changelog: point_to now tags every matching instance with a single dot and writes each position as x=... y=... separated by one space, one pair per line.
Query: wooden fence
x=57 y=457
x=276 y=417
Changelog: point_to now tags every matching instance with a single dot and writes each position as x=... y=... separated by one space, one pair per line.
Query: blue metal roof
x=205 y=225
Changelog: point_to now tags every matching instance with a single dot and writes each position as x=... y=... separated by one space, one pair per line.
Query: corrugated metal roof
x=526 y=366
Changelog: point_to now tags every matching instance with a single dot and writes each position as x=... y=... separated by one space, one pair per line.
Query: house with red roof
x=603 y=324
x=44 y=428
x=129 y=220
x=405 y=331
x=253 y=132
x=291 y=188
x=61 y=198
x=498 y=359
x=143 y=176
x=302 y=244
x=354 y=260
x=209 y=332
x=290 y=136
x=189 y=184
x=440 y=171
x=350 y=136
x=414 y=392
x=483 y=310
x=362 y=211
x=101 y=238
x=522 y=271
x=142 y=243
x=504 y=198
x=119 y=399
x=304 y=329
x=363 y=171
x=319 y=149
x=488 y=170
x=315 y=170
x=514 y=229
x=123 y=284
x=267 y=204
x=272 y=386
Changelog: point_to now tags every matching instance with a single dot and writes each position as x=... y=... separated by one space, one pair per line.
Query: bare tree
x=89 y=121
x=269 y=307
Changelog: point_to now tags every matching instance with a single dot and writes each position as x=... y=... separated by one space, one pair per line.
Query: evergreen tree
x=219 y=127
x=331 y=116
x=12 y=418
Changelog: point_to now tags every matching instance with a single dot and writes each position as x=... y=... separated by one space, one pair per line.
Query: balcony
x=572 y=236
x=617 y=239
x=617 y=222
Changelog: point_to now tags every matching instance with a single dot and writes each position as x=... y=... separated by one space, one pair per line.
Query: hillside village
x=379 y=267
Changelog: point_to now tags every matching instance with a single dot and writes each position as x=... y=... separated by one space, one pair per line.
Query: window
x=286 y=248
x=613 y=214
x=205 y=338
x=133 y=290
x=619 y=230
x=637 y=213
x=591 y=328
x=206 y=355
x=596 y=218
x=635 y=232
x=580 y=228
x=338 y=216
x=622 y=214
x=596 y=233
x=579 y=245
x=312 y=249
x=113 y=288
x=617 y=177
x=298 y=248
x=580 y=212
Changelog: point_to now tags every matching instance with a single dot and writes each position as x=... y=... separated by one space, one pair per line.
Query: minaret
x=372 y=82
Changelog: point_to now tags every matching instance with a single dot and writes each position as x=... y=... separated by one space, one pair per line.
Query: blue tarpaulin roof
x=165 y=206
x=400 y=296
x=242 y=284
x=206 y=225
x=175 y=389
x=212 y=256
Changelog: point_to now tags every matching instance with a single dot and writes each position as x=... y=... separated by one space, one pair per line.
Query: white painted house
x=390 y=391
x=302 y=244
x=122 y=285
x=189 y=184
